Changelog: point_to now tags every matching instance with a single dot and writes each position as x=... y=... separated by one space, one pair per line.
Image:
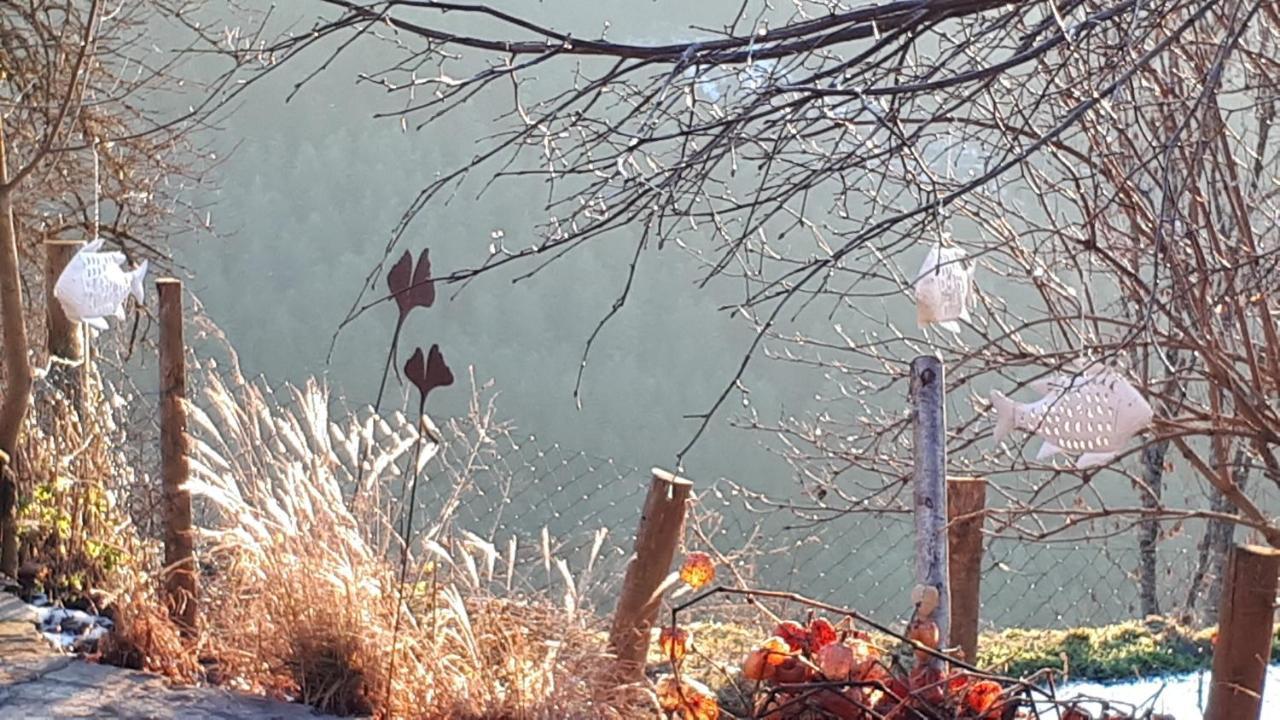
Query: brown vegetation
x=300 y=595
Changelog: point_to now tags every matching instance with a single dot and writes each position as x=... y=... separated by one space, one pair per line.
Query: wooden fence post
x=929 y=444
x=180 y=569
x=1246 y=624
x=658 y=536
x=62 y=336
x=966 y=499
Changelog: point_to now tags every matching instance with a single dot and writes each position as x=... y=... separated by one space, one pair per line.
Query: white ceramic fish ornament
x=1094 y=412
x=942 y=288
x=95 y=285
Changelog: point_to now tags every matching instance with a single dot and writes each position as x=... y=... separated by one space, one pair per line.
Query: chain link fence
x=545 y=502
x=564 y=520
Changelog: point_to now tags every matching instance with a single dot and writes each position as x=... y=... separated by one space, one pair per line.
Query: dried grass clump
x=539 y=665
x=301 y=592
x=145 y=639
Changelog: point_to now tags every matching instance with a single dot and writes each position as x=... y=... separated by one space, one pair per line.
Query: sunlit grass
x=301 y=592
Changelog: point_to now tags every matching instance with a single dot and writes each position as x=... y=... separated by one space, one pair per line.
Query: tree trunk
x=1149 y=531
x=17 y=367
x=1219 y=537
x=1222 y=537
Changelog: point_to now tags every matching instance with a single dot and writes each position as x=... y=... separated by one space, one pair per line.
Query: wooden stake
x=180 y=568
x=1246 y=624
x=929 y=442
x=62 y=337
x=658 y=536
x=966 y=499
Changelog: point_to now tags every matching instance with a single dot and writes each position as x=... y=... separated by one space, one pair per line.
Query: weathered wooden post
x=1246 y=624
x=929 y=444
x=658 y=536
x=62 y=336
x=180 y=568
x=966 y=501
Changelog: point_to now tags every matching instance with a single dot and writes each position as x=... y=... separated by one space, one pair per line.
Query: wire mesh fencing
x=864 y=560
x=568 y=519
x=563 y=521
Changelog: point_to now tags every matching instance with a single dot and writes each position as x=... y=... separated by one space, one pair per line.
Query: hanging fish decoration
x=94 y=285
x=942 y=288
x=1094 y=412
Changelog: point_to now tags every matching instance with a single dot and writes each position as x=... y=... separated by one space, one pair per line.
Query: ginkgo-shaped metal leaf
x=399 y=279
x=422 y=292
x=428 y=374
x=412 y=285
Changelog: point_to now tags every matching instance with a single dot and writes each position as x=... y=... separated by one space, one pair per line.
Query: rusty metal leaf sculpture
x=411 y=284
x=400 y=283
x=429 y=374
x=422 y=293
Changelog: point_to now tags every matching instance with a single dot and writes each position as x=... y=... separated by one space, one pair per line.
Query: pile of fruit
x=822 y=670
x=825 y=671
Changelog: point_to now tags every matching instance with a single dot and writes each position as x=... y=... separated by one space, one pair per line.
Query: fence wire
x=554 y=502
x=568 y=520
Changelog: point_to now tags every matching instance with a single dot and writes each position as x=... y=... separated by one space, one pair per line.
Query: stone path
x=37 y=683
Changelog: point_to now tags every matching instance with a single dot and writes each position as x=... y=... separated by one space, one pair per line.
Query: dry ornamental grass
x=300 y=589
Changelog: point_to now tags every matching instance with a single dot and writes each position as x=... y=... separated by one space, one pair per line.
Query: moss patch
x=1112 y=652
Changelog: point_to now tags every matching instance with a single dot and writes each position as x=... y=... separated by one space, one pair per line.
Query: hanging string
x=939 y=216
x=96 y=190
x=90 y=333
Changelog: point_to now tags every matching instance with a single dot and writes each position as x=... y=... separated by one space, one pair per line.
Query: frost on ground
x=1180 y=696
x=71 y=630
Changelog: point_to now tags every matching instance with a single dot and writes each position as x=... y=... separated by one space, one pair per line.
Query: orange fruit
x=791 y=670
x=925 y=632
x=982 y=696
x=836 y=661
x=793 y=633
x=776 y=651
x=698 y=570
x=756 y=666
x=821 y=634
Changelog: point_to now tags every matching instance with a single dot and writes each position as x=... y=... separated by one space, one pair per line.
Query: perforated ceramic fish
x=1094 y=413
x=95 y=285
x=942 y=288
